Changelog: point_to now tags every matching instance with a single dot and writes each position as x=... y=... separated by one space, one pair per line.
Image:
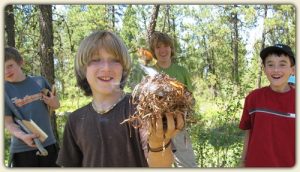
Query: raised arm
x=159 y=142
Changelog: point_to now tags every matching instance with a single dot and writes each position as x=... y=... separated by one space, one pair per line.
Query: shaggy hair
x=12 y=53
x=159 y=37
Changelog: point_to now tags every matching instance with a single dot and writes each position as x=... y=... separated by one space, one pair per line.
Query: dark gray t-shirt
x=94 y=140
x=35 y=110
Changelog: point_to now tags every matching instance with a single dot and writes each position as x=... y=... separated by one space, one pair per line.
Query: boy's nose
x=106 y=64
x=277 y=68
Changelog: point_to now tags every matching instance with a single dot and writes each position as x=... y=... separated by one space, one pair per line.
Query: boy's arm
x=15 y=130
x=187 y=79
x=163 y=158
x=245 y=147
x=160 y=153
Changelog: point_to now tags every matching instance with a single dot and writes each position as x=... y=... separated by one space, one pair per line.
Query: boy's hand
x=157 y=136
x=51 y=100
x=28 y=139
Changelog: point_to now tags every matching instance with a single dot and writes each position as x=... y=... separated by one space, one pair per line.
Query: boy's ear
x=293 y=70
x=22 y=62
x=263 y=68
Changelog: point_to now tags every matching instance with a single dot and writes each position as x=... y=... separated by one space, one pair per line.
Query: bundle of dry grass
x=158 y=95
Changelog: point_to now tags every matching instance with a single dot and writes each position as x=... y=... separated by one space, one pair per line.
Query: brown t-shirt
x=94 y=140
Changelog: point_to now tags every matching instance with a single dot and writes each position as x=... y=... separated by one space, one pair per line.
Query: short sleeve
x=188 y=81
x=245 y=123
x=8 y=111
x=69 y=154
x=42 y=82
x=47 y=85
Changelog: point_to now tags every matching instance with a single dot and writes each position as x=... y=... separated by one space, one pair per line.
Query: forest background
x=218 y=44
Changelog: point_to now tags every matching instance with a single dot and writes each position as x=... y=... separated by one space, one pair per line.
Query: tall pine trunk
x=235 y=48
x=46 y=52
x=10 y=25
x=153 y=21
x=262 y=47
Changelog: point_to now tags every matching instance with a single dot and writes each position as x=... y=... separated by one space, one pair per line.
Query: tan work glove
x=157 y=136
x=160 y=153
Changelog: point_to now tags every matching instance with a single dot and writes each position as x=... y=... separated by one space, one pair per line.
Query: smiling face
x=162 y=52
x=104 y=73
x=278 y=70
x=13 y=71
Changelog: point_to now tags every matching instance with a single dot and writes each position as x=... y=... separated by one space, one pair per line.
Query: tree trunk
x=153 y=20
x=10 y=25
x=113 y=17
x=46 y=52
x=166 y=19
x=236 y=48
x=262 y=47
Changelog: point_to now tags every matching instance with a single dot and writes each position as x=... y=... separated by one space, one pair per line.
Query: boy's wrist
x=19 y=134
x=158 y=148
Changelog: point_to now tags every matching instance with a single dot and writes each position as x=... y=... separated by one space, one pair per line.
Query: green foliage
x=280 y=25
x=130 y=29
x=216 y=137
x=6 y=147
x=61 y=120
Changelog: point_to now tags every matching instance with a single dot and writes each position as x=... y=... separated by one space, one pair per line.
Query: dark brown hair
x=12 y=53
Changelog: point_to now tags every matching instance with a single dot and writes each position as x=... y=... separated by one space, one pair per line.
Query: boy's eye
x=282 y=65
x=9 y=66
x=101 y=61
x=116 y=60
x=94 y=61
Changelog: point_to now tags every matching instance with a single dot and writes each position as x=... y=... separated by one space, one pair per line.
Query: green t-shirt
x=178 y=72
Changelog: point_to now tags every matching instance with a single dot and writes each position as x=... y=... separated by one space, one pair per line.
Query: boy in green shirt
x=162 y=47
